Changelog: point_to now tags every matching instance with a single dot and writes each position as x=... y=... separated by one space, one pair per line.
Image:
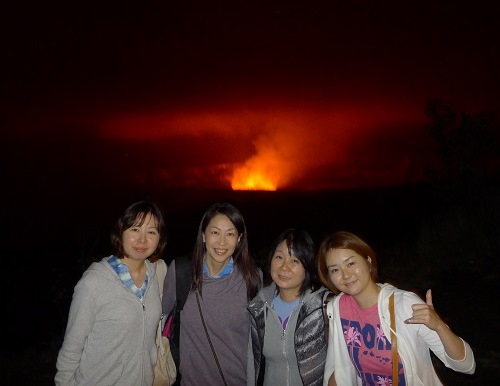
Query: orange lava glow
x=253 y=176
x=252 y=182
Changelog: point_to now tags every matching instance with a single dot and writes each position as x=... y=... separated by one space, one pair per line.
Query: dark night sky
x=330 y=93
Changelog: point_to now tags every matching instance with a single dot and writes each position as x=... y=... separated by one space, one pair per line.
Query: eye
x=134 y=229
x=351 y=263
x=334 y=270
x=153 y=232
x=296 y=261
x=278 y=257
x=231 y=234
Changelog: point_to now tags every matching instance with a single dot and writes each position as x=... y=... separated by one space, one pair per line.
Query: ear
x=203 y=235
x=239 y=238
x=369 y=261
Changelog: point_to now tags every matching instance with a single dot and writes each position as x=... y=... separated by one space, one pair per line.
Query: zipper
x=283 y=339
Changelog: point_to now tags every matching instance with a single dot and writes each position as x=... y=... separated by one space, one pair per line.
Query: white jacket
x=414 y=342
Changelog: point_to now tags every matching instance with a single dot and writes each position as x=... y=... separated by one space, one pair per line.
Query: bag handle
x=394 y=342
x=161 y=272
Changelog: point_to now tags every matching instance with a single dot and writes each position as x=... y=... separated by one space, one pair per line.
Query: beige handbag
x=165 y=371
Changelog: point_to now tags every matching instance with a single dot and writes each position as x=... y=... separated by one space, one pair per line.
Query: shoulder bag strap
x=210 y=341
x=160 y=274
x=394 y=342
x=183 y=278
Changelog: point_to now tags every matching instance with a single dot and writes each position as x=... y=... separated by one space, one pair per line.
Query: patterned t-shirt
x=368 y=347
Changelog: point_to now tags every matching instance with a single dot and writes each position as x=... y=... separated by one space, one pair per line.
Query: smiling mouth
x=220 y=251
x=284 y=278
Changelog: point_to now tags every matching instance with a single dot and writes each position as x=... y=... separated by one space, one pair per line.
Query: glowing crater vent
x=251 y=178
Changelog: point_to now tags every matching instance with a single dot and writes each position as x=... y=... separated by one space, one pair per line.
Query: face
x=140 y=241
x=220 y=238
x=350 y=272
x=287 y=271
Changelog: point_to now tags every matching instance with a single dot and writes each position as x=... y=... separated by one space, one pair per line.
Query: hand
x=425 y=314
x=331 y=381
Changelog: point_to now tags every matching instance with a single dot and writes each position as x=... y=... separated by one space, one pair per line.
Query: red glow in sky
x=306 y=95
x=284 y=147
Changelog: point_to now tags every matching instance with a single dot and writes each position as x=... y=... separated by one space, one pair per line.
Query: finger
x=419 y=306
x=428 y=297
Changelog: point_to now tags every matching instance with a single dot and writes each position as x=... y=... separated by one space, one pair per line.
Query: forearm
x=453 y=345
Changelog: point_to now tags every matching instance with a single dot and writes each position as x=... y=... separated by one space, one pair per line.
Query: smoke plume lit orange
x=265 y=170
x=270 y=149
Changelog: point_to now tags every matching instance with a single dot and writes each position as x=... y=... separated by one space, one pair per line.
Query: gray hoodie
x=110 y=335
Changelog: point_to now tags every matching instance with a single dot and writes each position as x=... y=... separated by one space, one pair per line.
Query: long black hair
x=241 y=255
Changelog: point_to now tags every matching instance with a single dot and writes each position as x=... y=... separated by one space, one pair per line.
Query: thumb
x=428 y=298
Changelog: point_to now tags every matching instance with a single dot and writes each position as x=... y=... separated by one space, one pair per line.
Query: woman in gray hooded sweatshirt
x=116 y=307
x=287 y=342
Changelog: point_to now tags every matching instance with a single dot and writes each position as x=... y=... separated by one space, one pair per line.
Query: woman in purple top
x=225 y=278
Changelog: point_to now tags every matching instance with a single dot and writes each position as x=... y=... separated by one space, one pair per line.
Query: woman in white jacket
x=360 y=342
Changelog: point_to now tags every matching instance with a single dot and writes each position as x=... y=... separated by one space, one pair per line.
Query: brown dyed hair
x=344 y=240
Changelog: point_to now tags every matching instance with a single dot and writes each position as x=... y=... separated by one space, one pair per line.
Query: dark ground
x=426 y=237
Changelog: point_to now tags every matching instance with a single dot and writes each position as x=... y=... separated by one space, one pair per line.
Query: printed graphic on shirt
x=368 y=347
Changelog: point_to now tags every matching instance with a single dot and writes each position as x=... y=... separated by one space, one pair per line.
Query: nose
x=285 y=266
x=346 y=273
x=142 y=237
x=222 y=240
